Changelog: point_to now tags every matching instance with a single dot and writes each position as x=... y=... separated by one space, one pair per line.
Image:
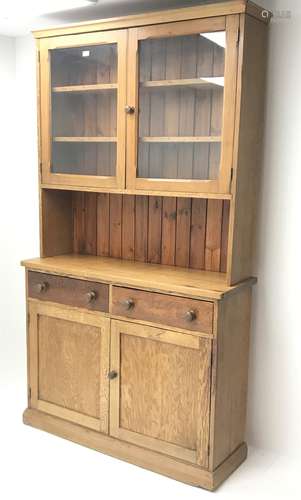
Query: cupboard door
x=83 y=81
x=69 y=361
x=160 y=393
x=183 y=90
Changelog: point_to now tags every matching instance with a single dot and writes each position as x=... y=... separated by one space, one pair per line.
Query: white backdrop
x=274 y=414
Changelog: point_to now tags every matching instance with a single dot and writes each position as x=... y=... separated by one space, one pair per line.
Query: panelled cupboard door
x=82 y=109
x=69 y=362
x=160 y=393
x=181 y=93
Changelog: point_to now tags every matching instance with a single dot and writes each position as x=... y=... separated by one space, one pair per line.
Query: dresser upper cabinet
x=144 y=109
x=184 y=88
x=83 y=84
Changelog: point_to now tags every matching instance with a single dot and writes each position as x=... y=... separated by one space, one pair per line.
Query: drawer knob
x=127 y=304
x=91 y=296
x=113 y=374
x=129 y=110
x=42 y=287
x=190 y=315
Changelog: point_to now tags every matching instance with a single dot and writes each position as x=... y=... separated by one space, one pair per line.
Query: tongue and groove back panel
x=183 y=232
x=179 y=111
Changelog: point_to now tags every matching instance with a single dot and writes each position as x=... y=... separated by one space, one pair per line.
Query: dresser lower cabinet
x=160 y=396
x=152 y=384
x=69 y=363
x=117 y=375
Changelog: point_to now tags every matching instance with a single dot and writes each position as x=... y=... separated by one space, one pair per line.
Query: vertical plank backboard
x=154 y=229
x=185 y=232
x=169 y=217
x=128 y=227
x=141 y=228
x=115 y=225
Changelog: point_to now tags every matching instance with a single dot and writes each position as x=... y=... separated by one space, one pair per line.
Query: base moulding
x=128 y=452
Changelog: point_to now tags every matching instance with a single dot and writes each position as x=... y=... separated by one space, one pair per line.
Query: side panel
x=230 y=376
x=248 y=147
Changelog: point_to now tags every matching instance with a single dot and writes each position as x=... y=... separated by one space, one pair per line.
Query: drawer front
x=179 y=312
x=69 y=291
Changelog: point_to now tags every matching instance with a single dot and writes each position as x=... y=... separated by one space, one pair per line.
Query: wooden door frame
x=223 y=184
x=36 y=308
x=46 y=45
x=199 y=456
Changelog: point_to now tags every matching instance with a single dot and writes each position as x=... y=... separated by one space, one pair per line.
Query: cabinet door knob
x=113 y=374
x=127 y=304
x=91 y=296
x=42 y=287
x=190 y=315
x=129 y=109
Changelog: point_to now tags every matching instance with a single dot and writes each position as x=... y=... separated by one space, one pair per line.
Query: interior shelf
x=198 y=83
x=99 y=87
x=85 y=139
x=156 y=277
x=181 y=139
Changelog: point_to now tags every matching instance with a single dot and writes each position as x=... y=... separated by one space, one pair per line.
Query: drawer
x=179 y=312
x=69 y=291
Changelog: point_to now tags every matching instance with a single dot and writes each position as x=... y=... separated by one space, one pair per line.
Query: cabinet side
x=247 y=147
x=56 y=220
x=230 y=377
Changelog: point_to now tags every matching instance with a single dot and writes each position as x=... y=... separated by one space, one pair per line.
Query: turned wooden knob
x=129 y=110
x=190 y=315
x=113 y=374
x=127 y=304
x=42 y=287
x=91 y=296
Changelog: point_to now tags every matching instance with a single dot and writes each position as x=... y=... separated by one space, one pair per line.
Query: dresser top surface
x=217 y=8
x=155 y=277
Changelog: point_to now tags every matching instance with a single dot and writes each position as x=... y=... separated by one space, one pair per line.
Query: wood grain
x=69 y=362
x=191 y=128
x=248 y=148
x=174 y=231
x=128 y=227
x=183 y=232
x=68 y=291
x=155 y=277
x=165 y=16
x=115 y=226
x=163 y=309
x=87 y=127
x=157 y=462
x=166 y=418
x=169 y=218
x=123 y=229
x=154 y=229
x=231 y=378
x=56 y=226
x=64 y=353
x=141 y=228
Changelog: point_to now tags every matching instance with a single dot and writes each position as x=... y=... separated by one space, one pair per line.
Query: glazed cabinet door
x=68 y=364
x=160 y=390
x=82 y=109
x=181 y=98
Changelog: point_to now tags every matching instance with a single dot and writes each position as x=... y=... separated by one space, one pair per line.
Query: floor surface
x=38 y=465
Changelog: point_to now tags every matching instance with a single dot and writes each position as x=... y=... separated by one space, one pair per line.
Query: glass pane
x=84 y=110
x=180 y=106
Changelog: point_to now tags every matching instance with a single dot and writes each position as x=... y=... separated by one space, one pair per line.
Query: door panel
x=181 y=136
x=69 y=362
x=160 y=398
x=83 y=81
